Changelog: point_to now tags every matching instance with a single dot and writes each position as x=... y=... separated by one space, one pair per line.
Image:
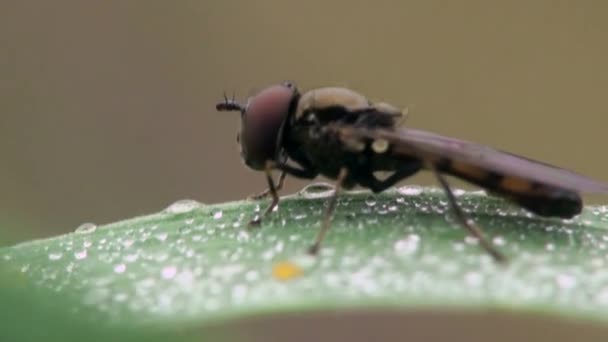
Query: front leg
x=272 y=189
x=267 y=192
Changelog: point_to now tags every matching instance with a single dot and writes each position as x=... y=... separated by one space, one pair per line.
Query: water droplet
x=80 y=254
x=120 y=268
x=131 y=257
x=239 y=292
x=243 y=235
x=317 y=190
x=120 y=297
x=473 y=279
x=252 y=275
x=459 y=192
x=370 y=201
x=602 y=296
x=407 y=246
x=550 y=247
x=410 y=190
x=127 y=243
x=161 y=236
x=86 y=228
x=218 y=214
x=168 y=272
x=499 y=241
x=55 y=256
x=299 y=216
x=565 y=281
x=183 y=206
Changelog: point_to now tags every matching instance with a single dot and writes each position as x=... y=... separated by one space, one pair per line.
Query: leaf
x=193 y=266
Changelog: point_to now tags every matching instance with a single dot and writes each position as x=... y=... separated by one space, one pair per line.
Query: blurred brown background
x=107 y=107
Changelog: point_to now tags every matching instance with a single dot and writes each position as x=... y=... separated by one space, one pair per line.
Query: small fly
x=340 y=134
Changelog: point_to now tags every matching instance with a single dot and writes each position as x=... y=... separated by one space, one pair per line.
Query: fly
x=340 y=134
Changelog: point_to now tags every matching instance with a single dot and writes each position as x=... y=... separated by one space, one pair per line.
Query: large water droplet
x=86 y=228
x=183 y=206
x=317 y=190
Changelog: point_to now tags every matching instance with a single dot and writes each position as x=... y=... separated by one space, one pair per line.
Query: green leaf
x=194 y=266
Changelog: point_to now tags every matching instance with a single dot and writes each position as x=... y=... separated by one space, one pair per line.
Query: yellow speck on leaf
x=286 y=270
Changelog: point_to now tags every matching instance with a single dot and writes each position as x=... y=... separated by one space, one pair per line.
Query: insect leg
x=326 y=224
x=272 y=190
x=470 y=226
x=267 y=192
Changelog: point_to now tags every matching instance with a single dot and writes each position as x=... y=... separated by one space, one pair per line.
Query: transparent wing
x=430 y=146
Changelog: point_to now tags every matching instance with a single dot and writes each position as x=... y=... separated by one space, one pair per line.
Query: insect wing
x=433 y=147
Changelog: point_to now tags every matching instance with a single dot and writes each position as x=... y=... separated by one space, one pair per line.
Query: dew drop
x=407 y=246
x=55 y=256
x=218 y=214
x=127 y=243
x=499 y=241
x=131 y=257
x=161 y=236
x=602 y=296
x=120 y=268
x=252 y=276
x=183 y=206
x=410 y=190
x=459 y=192
x=550 y=247
x=120 y=297
x=80 y=254
x=86 y=228
x=473 y=279
x=242 y=236
x=168 y=272
x=370 y=201
x=565 y=281
x=299 y=216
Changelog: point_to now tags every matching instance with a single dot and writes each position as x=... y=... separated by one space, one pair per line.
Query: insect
x=340 y=134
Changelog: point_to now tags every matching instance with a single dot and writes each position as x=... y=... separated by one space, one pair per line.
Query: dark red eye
x=261 y=124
